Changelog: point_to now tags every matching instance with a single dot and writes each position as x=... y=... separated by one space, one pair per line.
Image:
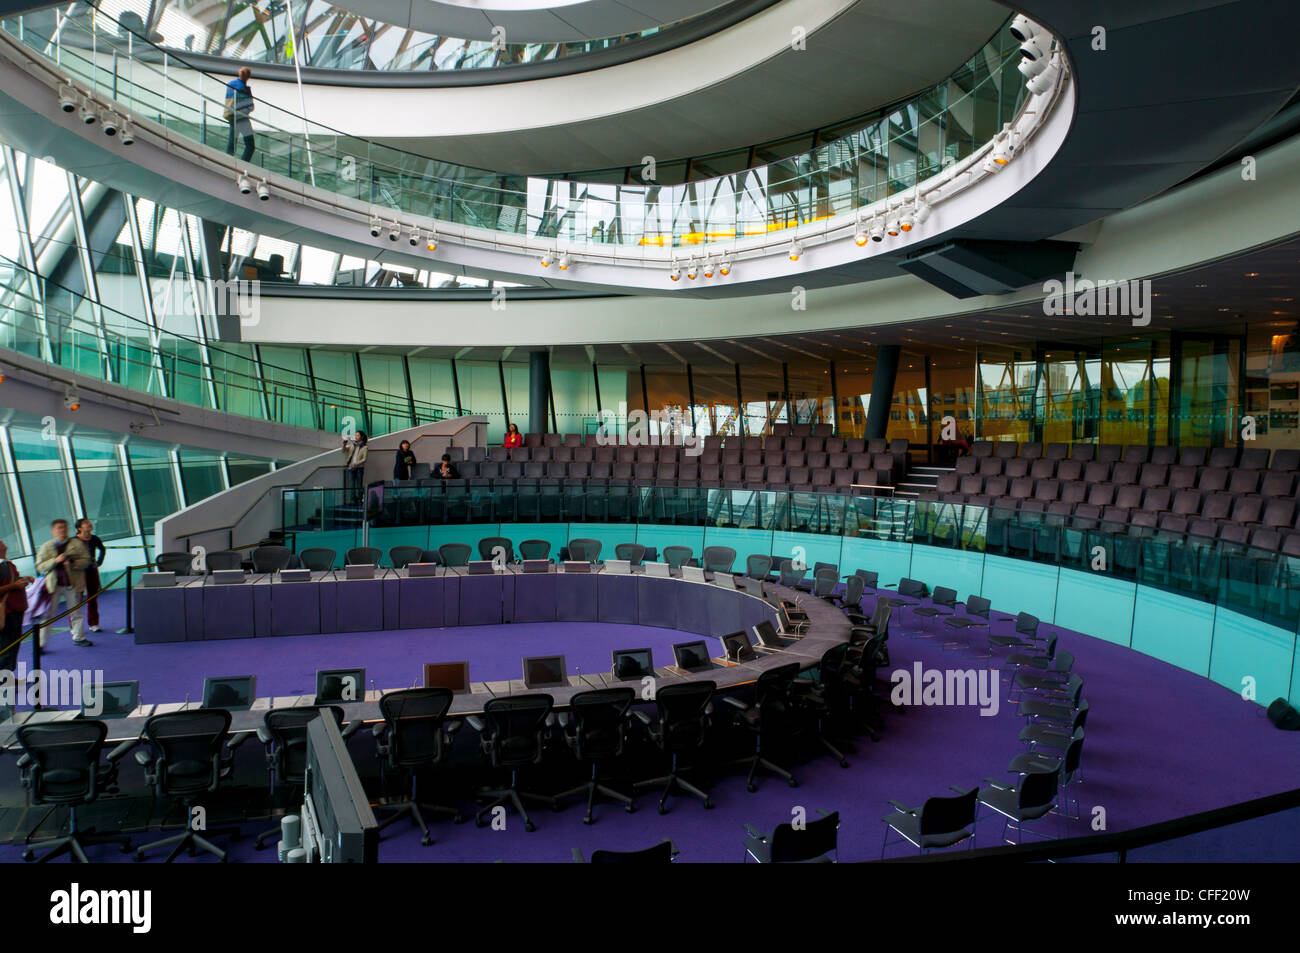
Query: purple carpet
x=1162 y=743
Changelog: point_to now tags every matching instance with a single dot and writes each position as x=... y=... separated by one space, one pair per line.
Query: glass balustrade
x=907 y=144
x=1259 y=584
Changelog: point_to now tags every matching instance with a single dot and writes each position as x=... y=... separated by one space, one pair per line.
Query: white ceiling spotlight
x=796 y=250
x=71 y=399
x=877 y=230
x=1023 y=28
x=88 y=114
x=263 y=193
x=675 y=273
x=861 y=235
x=109 y=123
x=692 y=270
x=709 y=267
x=128 y=134
x=376 y=227
x=566 y=261
x=546 y=259
x=1045 y=80
x=922 y=212
x=432 y=241
x=892 y=228
x=414 y=238
x=906 y=218
x=1003 y=146
x=244 y=183
x=68 y=99
x=394 y=231
x=724 y=266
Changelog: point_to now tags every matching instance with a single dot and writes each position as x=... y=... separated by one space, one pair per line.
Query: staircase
x=919 y=479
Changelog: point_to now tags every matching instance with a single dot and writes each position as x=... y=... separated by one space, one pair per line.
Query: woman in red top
x=513 y=437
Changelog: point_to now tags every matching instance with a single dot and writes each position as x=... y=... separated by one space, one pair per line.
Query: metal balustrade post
x=129 y=588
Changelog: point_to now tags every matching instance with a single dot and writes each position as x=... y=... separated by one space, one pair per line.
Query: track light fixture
x=127 y=136
x=546 y=259
x=1004 y=146
x=1045 y=80
x=922 y=212
x=71 y=400
x=1023 y=28
x=68 y=99
x=892 y=228
x=414 y=238
x=709 y=267
x=2 y=374
x=263 y=193
x=394 y=231
x=906 y=219
x=724 y=267
x=109 y=123
x=796 y=250
x=376 y=228
x=565 y=261
x=88 y=115
x=431 y=242
x=877 y=230
x=1036 y=48
x=692 y=270
x=675 y=273
x=245 y=184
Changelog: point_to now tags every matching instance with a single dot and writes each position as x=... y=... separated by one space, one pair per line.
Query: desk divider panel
x=228 y=611
x=360 y=606
x=329 y=604
x=194 y=614
x=535 y=597
x=296 y=607
x=392 y=601
x=617 y=598
x=692 y=602
x=451 y=601
x=420 y=602
x=262 y=605
x=480 y=600
x=159 y=615
x=724 y=612
x=657 y=602
x=575 y=597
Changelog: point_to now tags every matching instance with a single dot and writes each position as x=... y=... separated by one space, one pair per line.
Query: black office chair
x=587 y=550
x=939 y=822
x=677 y=556
x=942 y=603
x=271 y=558
x=284 y=735
x=825 y=699
x=454 y=554
x=824 y=583
x=534 y=549
x=489 y=544
x=178 y=563
x=718 y=558
x=771 y=718
x=758 y=566
x=975 y=616
x=362 y=556
x=632 y=552
x=665 y=852
x=60 y=766
x=188 y=755
x=811 y=842
x=415 y=734
x=1066 y=762
x=403 y=556
x=430 y=556
x=1033 y=798
x=790 y=573
x=850 y=600
x=224 y=559
x=317 y=558
x=1026 y=634
x=595 y=727
x=683 y=725
x=513 y=734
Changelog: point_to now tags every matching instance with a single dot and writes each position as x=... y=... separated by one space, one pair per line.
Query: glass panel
x=41 y=479
x=155 y=487
x=200 y=475
x=103 y=488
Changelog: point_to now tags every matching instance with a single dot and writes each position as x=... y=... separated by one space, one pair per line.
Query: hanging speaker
x=1283 y=716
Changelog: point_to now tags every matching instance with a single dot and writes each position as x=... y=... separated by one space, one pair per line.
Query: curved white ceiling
x=531 y=21
x=858 y=55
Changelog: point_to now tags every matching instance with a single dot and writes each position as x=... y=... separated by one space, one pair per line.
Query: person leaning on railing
x=13 y=605
x=355 y=451
x=63 y=561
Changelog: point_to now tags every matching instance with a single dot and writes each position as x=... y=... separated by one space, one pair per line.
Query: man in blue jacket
x=239 y=104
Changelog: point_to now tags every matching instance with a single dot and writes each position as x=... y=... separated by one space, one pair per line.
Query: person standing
x=239 y=106
x=86 y=533
x=62 y=560
x=405 y=461
x=355 y=451
x=13 y=605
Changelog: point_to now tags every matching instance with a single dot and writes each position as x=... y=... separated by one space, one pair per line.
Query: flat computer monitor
x=754 y=587
x=662 y=570
x=632 y=663
x=359 y=571
x=738 y=647
x=694 y=574
x=768 y=636
x=453 y=675
x=480 y=567
x=618 y=567
x=545 y=671
x=109 y=699
x=340 y=685
x=537 y=565
x=577 y=565
x=231 y=692
x=692 y=656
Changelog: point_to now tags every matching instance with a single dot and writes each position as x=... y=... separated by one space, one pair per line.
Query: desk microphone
x=186 y=706
x=581 y=679
x=372 y=687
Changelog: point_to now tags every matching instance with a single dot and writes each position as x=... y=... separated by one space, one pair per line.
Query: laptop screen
x=632 y=663
x=112 y=700
x=340 y=685
x=453 y=675
x=692 y=656
x=234 y=693
x=545 y=671
x=766 y=633
x=738 y=648
x=754 y=587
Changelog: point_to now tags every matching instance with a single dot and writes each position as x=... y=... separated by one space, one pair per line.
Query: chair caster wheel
x=587 y=819
x=794 y=783
x=138 y=857
x=479 y=822
x=631 y=809
x=751 y=788
x=530 y=827
x=125 y=849
x=708 y=804
x=663 y=809
x=844 y=764
x=28 y=854
x=459 y=819
x=259 y=846
x=426 y=840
